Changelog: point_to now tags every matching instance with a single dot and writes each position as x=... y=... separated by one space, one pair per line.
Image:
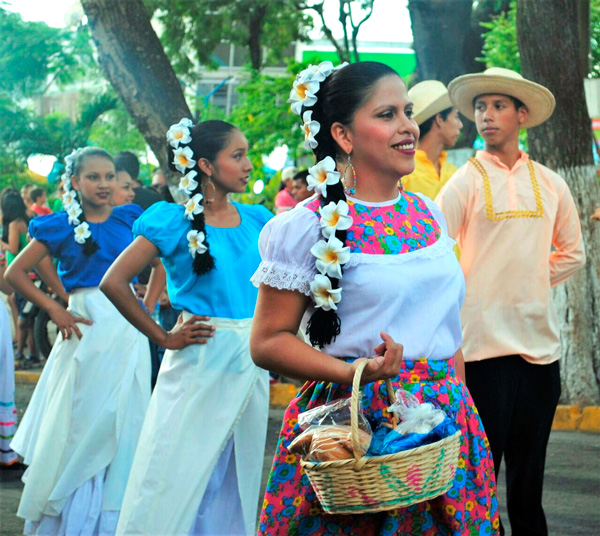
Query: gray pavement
x=571 y=497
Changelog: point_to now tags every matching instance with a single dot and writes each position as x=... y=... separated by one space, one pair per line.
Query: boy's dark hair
x=36 y=193
x=425 y=127
x=301 y=176
x=127 y=161
x=518 y=103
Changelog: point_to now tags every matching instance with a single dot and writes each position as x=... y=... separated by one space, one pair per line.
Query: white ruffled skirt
x=81 y=428
x=198 y=466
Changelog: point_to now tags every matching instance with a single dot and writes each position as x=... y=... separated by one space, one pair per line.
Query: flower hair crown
x=177 y=136
x=330 y=253
x=71 y=202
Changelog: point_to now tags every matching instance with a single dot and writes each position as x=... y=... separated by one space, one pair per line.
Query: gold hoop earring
x=208 y=200
x=349 y=190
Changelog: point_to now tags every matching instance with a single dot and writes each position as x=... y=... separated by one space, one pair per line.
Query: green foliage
x=500 y=48
x=114 y=131
x=192 y=30
x=595 y=38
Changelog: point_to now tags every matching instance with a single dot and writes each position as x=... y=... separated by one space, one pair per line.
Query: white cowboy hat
x=496 y=80
x=429 y=97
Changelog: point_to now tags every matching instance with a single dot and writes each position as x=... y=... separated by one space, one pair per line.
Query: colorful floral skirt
x=469 y=508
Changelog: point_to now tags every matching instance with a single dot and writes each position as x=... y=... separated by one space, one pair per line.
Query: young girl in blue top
x=79 y=433
x=197 y=468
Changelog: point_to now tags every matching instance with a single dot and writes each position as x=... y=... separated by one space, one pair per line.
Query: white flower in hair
x=341 y=66
x=73 y=213
x=182 y=159
x=196 y=242
x=178 y=134
x=311 y=129
x=323 y=295
x=194 y=206
x=303 y=92
x=82 y=232
x=186 y=122
x=330 y=256
x=321 y=175
x=318 y=73
x=335 y=217
x=187 y=183
x=68 y=198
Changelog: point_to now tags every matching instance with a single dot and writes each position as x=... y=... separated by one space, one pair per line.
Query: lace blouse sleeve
x=284 y=245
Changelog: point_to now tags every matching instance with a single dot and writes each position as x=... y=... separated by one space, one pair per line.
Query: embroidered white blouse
x=415 y=297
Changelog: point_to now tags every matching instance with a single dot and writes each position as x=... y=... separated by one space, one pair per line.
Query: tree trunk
x=547 y=31
x=448 y=40
x=136 y=65
x=255 y=28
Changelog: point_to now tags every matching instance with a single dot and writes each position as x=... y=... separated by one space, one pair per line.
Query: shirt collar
x=484 y=155
x=421 y=155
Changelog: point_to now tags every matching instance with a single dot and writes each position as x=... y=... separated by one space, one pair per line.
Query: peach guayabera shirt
x=506 y=222
x=424 y=179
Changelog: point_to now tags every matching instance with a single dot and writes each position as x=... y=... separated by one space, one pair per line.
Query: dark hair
x=518 y=103
x=301 y=176
x=340 y=96
x=35 y=193
x=425 y=126
x=208 y=140
x=90 y=246
x=127 y=161
x=13 y=208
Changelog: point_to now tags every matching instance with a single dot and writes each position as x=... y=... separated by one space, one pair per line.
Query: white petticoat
x=205 y=397
x=84 y=419
x=8 y=412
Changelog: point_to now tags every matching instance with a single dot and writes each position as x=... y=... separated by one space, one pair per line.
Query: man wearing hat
x=440 y=127
x=284 y=200
x=519 y=234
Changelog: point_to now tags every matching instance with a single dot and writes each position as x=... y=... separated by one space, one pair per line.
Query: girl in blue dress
x=198 y=465
x=79 y=433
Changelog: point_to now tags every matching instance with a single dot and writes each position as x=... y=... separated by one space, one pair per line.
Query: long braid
x=323 y=96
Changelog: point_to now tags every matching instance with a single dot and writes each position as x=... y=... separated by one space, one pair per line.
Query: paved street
x=572 y=493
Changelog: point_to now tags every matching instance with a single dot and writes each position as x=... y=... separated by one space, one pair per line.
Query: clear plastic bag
x=327 y=435
x=415 y=417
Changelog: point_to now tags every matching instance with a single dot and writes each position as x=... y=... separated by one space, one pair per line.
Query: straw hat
x=288 y=173
x=429 y=97
x=539 y=100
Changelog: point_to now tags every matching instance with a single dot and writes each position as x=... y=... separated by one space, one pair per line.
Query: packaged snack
x=328 y=442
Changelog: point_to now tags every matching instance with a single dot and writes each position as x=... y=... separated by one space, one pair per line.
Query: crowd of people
x=382 y=252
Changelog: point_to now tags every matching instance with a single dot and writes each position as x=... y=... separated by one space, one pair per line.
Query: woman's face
x=96 y=181
x=232 y=166
x=123 y=193
x=383 y=133
x=450 y=128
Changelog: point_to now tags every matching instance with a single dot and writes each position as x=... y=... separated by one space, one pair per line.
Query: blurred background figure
x=123 y=194
x=39 y=200
x=159 y=178
x=300 y=189
x=284 y=200
x=128 y=163
x=440 y=128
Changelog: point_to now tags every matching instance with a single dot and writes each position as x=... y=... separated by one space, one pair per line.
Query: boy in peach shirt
x=519 y=234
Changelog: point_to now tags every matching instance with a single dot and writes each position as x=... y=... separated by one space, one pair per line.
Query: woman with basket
x=365 y=270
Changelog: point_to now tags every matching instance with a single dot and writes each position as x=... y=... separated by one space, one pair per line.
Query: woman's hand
x=385 y=364
x=192 y=331
x=66 y=322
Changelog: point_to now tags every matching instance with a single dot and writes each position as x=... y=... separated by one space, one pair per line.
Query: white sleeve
x=284 y=245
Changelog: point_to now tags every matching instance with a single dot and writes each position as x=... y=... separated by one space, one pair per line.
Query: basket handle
x=356 y=397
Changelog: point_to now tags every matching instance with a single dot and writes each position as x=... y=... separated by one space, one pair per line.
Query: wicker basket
x=373 y=484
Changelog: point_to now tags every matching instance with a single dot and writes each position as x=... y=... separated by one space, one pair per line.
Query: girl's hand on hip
x=385 y=363
x=192 y=331
x=66 y=322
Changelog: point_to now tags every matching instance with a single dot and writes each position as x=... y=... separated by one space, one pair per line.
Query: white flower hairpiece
x=194 y=206
x=196 y=242
x=68 y=198
x=323 y=295
x=311 y=129
x=177 y=134
x=335 y=217
x=303 y=93
x=330 y=256
x=321 y=175
x=182 y=159
x=187 y=183
x=73 y=213
x=82 y=232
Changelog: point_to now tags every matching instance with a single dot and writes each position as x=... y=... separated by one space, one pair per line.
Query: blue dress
x=225 y=292
x=207 y=418
x=75 y=269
